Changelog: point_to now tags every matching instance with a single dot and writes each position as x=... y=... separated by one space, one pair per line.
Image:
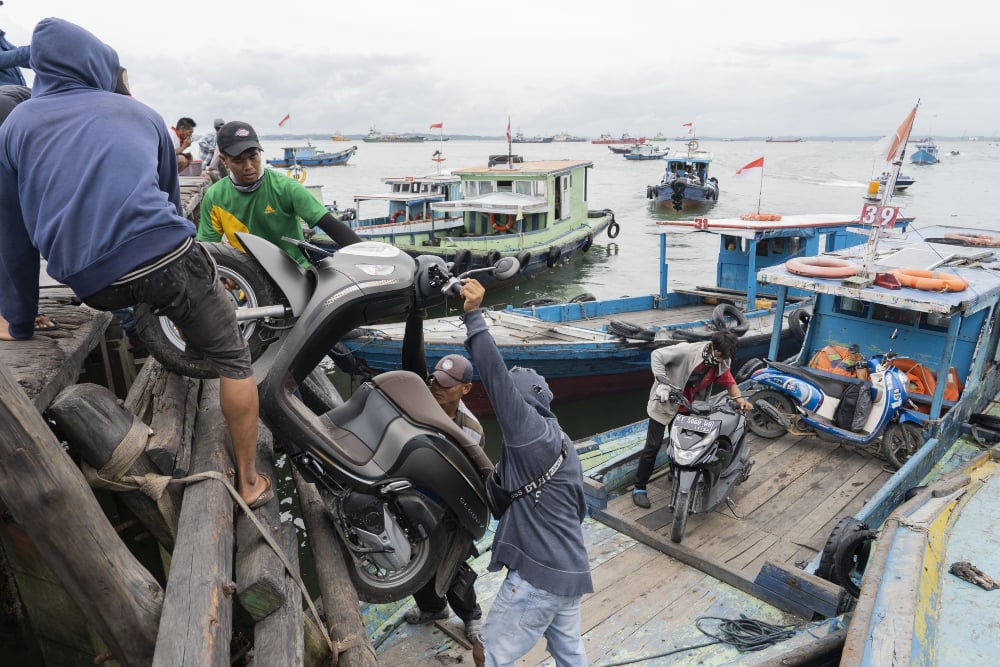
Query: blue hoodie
x=88 y=178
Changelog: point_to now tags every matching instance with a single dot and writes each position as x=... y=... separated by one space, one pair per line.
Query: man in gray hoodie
x=539 y=538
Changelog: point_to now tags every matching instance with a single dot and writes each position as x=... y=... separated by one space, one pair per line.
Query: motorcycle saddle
x=832 y=386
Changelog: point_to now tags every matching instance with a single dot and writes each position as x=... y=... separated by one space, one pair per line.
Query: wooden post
x=340 y=600
x=46 y=494
x=91 y=419
x=279 y=638
x=197 y=622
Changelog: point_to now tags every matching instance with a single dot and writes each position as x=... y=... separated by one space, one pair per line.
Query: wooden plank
x=279 y=638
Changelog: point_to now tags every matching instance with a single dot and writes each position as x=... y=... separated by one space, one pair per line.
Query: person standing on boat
x=117 y=237
x=695 y=367
x=450 y=381
x=539 y=538
x=182 y=134
x=208 y=145
x=261 y=201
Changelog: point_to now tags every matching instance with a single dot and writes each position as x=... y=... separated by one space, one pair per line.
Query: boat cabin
x=689 y=167
x=409 y=199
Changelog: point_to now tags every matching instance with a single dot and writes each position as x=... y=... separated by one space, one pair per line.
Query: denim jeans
x=521 y=614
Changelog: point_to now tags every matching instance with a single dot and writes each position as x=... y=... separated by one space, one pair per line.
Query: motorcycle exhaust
x=772 y=413
x=262 y=312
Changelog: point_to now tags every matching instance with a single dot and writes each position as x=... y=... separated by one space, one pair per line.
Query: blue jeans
x=521 y=614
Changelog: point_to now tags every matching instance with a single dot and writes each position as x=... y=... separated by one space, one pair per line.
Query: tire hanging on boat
x=798 y=322
x=555 y=252
x=492 y=257
x=727 y=310
x=462 y=261
x=587 y=242
x=523 y=258
x=582 y=298
x=613 y=230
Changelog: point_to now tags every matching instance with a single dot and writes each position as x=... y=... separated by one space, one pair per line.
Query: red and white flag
x=688 y=125
x=758 y=163
x=508 y=129
x=437 y=126
x=902 y=134
x=284 y=120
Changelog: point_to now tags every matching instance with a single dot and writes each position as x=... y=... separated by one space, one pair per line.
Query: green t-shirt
x=271 y=211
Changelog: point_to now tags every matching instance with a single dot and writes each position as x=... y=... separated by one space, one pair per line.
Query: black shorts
x=188 y=291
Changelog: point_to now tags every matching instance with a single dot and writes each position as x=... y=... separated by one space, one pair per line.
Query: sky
x=733 y=68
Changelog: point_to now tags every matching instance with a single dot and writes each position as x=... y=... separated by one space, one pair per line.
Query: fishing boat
x=374 y=136
x=589 y=349
x=926 y=152
x=790 y=140
x=621 y=150
x=626 y=138
x=686 y=180
x=310 y=156
x=536 y=211
x=659 y=136
x=646 y=152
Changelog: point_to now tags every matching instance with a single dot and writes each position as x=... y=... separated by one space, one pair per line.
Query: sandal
x=266 y=496
x=40 y=324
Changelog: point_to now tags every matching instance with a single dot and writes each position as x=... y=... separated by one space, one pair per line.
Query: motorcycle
x=802 y=401
x=707 y=456
x=401 y=482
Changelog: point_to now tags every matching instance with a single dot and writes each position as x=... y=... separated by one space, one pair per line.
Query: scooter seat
x=409 y=392
x=832 y=386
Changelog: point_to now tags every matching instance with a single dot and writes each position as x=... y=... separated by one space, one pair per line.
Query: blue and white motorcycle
x=802 y=401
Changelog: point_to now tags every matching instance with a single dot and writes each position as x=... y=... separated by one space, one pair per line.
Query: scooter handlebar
x=504 y=269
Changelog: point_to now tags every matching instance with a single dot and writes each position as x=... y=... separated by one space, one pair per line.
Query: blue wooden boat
x=310 y=156
x=926 y=152
x=686 y=180
x=592 y=348
x=646 y=152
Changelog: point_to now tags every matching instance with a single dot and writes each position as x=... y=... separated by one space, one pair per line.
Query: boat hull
x=923 y=157
x=318 y=160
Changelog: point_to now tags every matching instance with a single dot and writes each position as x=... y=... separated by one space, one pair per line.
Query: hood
x=533 y=389
x=66 y=57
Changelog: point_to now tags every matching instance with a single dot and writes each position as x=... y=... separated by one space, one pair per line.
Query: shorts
x=188 y=291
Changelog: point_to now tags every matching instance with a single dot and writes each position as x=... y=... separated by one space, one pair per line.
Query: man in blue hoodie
x=539 y=538
x=112 y=230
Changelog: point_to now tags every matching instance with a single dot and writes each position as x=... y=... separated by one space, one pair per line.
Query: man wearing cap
x=122 y=239
x=539 y=538
x=450 y=381
x=261 y=201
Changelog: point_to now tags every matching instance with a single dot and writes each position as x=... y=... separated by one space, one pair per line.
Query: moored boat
x=626 y=138
x=925 y=153
x=310 y=156
x=686 y=179
x=646 y=152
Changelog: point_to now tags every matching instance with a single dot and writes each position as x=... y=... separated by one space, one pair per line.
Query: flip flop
x=51 y=326
x=266 y=496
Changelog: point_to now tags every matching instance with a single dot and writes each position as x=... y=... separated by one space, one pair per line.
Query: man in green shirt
x=261 y=201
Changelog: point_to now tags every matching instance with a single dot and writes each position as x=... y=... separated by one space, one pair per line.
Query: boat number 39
x=883 y=216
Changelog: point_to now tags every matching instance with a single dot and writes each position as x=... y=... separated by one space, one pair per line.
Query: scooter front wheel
x=681 y=507
x=900 y=442
x=760 y=422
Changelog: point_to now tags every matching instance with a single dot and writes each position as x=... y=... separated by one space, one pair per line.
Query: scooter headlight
x=690 y=436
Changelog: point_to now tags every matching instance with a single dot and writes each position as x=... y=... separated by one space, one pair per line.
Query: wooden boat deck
x=799 y=487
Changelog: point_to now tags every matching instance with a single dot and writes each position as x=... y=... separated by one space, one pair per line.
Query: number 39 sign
x=883 y=216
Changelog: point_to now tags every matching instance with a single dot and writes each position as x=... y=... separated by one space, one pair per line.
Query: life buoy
x=930 y=281
x=975 y=239
x=297 y=173
x=396 y=216
x=587 y=242
x=555 y=252
x=821 y=267
x=499 y=226
x=613 y=230
x=693 y=145
x=761 y=216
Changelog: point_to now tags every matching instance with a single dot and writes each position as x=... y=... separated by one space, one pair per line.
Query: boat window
x=849 y=306
x=778 y=246
x=731 y=242
x=895 y=315
x=505 y=186
x=762 y=248
x=934 y=321
x=524 y=187
x=795 y=245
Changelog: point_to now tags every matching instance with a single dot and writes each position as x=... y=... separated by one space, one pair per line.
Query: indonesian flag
x=688 y=125
x=284 y=120
x=508 y=129
x=436 y=126
x=758 y=163
x=902 y=134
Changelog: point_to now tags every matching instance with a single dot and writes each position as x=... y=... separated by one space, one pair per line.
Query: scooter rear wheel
x=760 y=423
x=900 y=442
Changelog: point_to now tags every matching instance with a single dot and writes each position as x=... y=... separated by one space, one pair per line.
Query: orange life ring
x=930 y=281
x=397 y=215
x=761 y=216
x=821 y=267
x=975 y=239
x=500 y=227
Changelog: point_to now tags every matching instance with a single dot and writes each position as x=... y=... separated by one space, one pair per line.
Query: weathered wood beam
x=197 y=621
x=279 y=638
x=47 y=495
x=168 y=402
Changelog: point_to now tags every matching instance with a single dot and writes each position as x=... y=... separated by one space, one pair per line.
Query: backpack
x=854 y=407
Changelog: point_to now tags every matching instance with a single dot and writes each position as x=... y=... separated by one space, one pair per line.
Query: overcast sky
x=734 y=68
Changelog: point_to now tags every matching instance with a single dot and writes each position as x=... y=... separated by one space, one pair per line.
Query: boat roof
x=789 y=225
x=497 y=202
x=914 y=249
x=407 y=197
x=428 y=178
x=694 y=156
x=526 y=168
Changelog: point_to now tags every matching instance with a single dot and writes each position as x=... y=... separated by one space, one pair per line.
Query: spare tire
x=727 y=310
x=842 y=533
x=629 y=330
x=749 y=368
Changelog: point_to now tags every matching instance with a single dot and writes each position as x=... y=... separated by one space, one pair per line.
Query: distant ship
x=772 y=140
x=565 y=136
x=374 y=136
x=519 y=138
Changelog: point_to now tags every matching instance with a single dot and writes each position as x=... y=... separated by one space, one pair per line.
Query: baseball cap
x=219 y=123
x=236 y=137
x=453 y=369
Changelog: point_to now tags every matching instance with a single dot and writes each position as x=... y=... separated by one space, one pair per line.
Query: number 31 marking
x=884 y=216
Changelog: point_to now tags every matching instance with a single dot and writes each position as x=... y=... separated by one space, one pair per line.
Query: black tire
x=581 y=298
x=851 y=559
x=555 y=252
x=344 y=360
x=763 y=425
x=523 y=258
x=842 y=532
x=613 y=229
x=462 y=261
x=318 y=392
x=724 y=312
x=254 y=288
x=587 y=242
x=492 y=257
x=680 y=516
x=378 y=588
x=540 y=301
x=749 y=368
x=900 y=442
x=688 y=335
x=628 y=330
x=798 y=322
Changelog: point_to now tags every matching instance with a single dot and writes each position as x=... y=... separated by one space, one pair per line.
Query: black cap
x=236 y=137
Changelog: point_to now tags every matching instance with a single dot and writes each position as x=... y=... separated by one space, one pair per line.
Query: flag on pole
x=508 y=129
x=758 y=163
x=902 y=134
x=284 y=120
x=688 y=125
x=436 y=126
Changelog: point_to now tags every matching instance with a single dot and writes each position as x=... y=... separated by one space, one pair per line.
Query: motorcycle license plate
x=695 y=423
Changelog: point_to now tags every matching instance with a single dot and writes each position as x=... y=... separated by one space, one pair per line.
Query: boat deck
x=799 y=487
